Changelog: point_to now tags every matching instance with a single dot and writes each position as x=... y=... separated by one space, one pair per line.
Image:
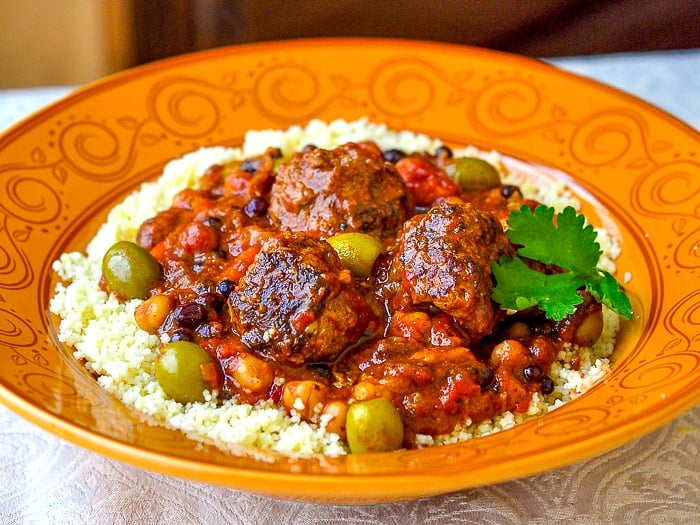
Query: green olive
x=373 y=426
x=185 y=370
x=472 y=173
x=129 y=270
x=357 y=251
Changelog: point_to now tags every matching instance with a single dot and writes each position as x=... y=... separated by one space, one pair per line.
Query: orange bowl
x=635 y=168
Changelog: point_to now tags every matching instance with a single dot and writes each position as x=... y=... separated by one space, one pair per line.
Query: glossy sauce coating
x=249 y=276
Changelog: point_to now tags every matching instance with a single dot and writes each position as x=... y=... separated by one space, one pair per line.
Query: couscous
x=298 y=333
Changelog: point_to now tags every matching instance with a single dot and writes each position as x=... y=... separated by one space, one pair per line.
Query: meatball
x=444 y=260
x=349 y=188
x=296 y=303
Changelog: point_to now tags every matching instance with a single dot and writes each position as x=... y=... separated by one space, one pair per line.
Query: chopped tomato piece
x=197 y=237
x=426 y=182
x=236 y=268
x=158 y=251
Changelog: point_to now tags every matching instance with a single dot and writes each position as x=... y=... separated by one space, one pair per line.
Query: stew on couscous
x=352 y=286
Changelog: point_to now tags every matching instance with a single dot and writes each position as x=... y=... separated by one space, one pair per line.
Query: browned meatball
x=444 y=259
x=349 y=188
x=296 y=303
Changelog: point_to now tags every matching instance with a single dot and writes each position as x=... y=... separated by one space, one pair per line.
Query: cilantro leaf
x=564 y=241
x=567 y=244
x=520 y=287
x=607 y=290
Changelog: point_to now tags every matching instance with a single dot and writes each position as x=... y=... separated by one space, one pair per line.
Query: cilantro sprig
x=564 y=241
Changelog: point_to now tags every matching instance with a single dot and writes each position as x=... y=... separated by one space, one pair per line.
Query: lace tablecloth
x=654 y=479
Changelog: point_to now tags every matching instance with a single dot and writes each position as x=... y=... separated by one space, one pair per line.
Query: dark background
x=539 y=28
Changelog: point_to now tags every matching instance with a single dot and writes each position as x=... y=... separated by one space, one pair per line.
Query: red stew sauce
x=248 y=274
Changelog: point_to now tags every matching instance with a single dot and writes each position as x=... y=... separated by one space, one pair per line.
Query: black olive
x=393 y=155
x=225 y=287
x=443 y=151
x=213 y=301
x=547 y=385
x=532 y=372
x=249 y=165
x=188 y=315
x=508 y=190
x=255 y=207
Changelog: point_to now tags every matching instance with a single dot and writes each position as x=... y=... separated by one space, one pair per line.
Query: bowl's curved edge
x=318 y=485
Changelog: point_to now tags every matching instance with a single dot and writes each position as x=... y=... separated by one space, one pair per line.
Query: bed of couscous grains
x=104 y=336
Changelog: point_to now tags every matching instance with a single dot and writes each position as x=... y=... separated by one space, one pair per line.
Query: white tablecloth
x=655 y=479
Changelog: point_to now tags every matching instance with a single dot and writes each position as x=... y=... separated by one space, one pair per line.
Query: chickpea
x=151 y=313
x=335 y=412
x=590 y=328
x=252 y=373
x=304 y=397
x=584 y=326
x=510 y=353
x=517 y=330
x=413 y=325
x=543 y=350
x=367 y=390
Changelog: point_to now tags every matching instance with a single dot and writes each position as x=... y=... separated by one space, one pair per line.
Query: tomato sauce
x=250 y=275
